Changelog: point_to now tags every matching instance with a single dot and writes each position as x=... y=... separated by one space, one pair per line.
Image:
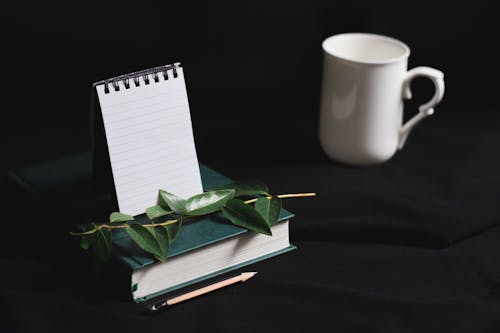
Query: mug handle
x=426 y=109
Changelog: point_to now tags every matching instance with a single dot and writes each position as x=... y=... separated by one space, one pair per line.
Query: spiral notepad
x=149 y=136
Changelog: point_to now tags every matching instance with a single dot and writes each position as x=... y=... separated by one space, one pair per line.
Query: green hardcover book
x=204 y=249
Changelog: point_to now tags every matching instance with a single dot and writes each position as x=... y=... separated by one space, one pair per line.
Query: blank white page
x=150 y=141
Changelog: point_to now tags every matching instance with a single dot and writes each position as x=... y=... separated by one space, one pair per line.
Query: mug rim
x=392 y=60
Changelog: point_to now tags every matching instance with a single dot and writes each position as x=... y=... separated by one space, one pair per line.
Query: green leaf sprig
x=257 y=214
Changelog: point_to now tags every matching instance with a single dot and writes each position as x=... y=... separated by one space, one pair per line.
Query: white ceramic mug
x=365 y=79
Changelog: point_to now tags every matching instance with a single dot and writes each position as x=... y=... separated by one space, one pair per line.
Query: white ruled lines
x=150 y=141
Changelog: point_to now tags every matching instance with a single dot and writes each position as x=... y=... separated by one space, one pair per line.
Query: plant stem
x=168 y=222
x=123 y=226
x=284 y=196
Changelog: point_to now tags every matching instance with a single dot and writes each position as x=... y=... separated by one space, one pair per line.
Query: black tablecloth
x=409 y=245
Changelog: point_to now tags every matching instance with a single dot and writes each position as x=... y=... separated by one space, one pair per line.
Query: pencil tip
x=247 y=275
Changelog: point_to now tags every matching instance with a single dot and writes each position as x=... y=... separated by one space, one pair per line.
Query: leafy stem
x=155 y=237
x=168 y=222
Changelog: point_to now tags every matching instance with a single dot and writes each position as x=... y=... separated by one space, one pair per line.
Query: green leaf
x=247 y=188
x=143 y=237
x=170 y=201
x=243 y=215
x=102 y=244
x=117 y=217
x=173 y=230
x=208 y=202
x=269 y=209
x=161 y=235
x=153 y=240
x=157 y=211
x=87 y=241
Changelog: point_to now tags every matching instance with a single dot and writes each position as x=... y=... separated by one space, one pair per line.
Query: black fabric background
x=410 y=245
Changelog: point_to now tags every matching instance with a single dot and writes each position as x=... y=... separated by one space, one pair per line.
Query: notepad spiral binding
x=135 y=77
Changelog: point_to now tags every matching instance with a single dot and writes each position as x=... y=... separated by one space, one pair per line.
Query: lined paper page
x=150 y=141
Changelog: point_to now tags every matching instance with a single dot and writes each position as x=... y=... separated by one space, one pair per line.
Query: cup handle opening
x=426 y=109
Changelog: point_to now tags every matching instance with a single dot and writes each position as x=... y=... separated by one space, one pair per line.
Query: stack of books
x=204 y=249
